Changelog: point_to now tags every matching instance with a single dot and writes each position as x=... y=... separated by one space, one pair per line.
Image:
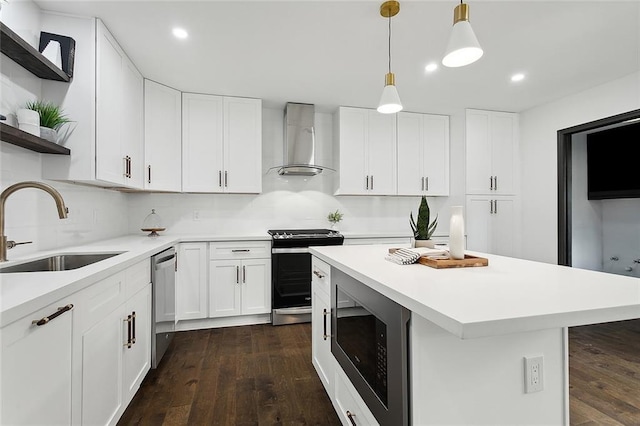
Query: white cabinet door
x=102 y=345
x=162 y=137
x=110 y=163
x=256 y=286
x=202 y=143
x=367 y=146
x=132 y=123
x=491 y=225
x=321 y=337
x=225 y=288
x=242 y=145
x=491 y=152
x=381 y=153
x=137 y=357
x=35 y=372
x=353 y=136
x=423 y=154
x=191 y=281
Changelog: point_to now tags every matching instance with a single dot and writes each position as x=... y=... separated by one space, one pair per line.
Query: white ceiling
x=332 y=53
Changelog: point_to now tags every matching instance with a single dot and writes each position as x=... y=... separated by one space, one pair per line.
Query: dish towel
x=403 y=256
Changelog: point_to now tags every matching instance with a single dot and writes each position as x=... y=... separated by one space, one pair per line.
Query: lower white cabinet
x=192 y=281
x=240 y=279
x=36 y=365
x=350 y=407
x=321 y=323
x=491 y=225
x=113 y=332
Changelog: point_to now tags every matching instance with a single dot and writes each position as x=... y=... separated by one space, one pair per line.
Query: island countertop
x=507 y=296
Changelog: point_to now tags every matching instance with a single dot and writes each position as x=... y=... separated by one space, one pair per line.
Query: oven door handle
x=290 y=250
x=292 y=311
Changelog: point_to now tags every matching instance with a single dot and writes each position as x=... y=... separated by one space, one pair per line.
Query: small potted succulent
x=422 y=228
x=334 y=218
x=51 y=118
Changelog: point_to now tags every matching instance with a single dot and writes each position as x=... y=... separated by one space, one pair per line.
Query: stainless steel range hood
x=299 y=141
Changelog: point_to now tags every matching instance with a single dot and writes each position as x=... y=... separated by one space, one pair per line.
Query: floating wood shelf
x=12 y=45
x=15 y=136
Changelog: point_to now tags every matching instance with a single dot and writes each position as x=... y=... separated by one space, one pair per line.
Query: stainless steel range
x=291 y=271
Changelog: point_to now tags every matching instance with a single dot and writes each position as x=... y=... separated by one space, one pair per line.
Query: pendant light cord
x=389 y=17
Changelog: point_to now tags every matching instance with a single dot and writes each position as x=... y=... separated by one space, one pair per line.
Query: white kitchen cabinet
x=350 y=407
x=423 y=154
x=366 y=152
x=491 y=152
x=104 y=102
x=162 y=137
x=113 y=328
x=36 y=365
x=240 y=279
x=222 y=144
x=192 y=281
x=322 y=358
x=491 y=224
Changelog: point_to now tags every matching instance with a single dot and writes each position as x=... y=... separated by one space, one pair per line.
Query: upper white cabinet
x=423 y=154
x=162 y=137
x=367 y=152
x=105 y=102
x=221 y=144
x=492 y=149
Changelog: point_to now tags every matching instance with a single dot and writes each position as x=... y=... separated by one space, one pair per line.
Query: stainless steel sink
x=60 y=262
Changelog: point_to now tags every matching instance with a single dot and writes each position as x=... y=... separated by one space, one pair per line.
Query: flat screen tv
x=613 y=163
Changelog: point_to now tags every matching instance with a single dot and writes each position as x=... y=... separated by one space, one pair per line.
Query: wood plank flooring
x=604 y=374
x=262 y=375
x=255 y=375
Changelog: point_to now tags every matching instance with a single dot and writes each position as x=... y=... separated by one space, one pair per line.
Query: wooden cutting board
x=468 y=261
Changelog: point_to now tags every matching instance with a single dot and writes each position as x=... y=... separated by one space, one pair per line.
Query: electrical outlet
x=533 y=374
x=196 y=215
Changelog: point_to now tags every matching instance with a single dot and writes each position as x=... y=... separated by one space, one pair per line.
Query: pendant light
x=463 y=48
x=389 y=101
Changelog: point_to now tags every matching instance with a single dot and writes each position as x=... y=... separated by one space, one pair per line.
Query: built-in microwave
x=370 y=342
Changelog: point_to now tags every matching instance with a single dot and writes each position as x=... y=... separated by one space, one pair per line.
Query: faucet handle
x=11 y=244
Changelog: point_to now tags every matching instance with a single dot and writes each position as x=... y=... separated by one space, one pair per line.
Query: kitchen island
x=472 y=328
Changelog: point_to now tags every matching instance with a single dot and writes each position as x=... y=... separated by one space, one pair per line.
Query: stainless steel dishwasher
x=163 y=312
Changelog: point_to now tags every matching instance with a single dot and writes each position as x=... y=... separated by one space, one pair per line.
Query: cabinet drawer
x=321 y=275
x=240 y=250
x=348 y=402
x=98 y=300
x=137 y=277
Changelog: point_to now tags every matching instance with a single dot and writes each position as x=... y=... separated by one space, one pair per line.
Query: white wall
x=621 y=236
x=586 y=215
x=31 y=215
x=538 y=138
x=298 y=202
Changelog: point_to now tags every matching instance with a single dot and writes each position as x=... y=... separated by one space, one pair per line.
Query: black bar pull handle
x=56 y=314
x=350 y=416
x=325 y=313
x=128 y=321
x=133 y=320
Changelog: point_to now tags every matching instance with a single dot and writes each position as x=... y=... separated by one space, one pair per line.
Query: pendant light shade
x=463 y=48
x=390 y=100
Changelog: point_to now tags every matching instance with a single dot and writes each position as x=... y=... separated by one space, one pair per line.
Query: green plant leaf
x=51 y=115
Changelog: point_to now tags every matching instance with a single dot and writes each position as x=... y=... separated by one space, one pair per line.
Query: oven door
x=291 y=284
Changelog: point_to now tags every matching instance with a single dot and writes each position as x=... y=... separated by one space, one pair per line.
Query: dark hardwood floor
x=604 y=374
x=262 y=375
x=254 y=375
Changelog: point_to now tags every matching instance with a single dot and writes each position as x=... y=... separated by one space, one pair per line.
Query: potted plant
x=51 y=118
x=422 y=228
x=334 y=218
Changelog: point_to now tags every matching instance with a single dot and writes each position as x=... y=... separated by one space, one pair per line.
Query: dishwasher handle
x=164 y=261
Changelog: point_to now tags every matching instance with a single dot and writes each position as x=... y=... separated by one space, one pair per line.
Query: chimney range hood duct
x=299 y=141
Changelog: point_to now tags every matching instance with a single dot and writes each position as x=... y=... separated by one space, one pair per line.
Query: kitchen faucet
x=62 y=210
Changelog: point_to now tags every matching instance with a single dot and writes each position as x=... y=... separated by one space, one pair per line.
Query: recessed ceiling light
x=431 y=67
x=180 y=33
x=517 y=77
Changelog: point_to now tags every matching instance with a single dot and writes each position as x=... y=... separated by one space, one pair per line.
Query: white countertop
x=508 y=296
x=22 y=293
